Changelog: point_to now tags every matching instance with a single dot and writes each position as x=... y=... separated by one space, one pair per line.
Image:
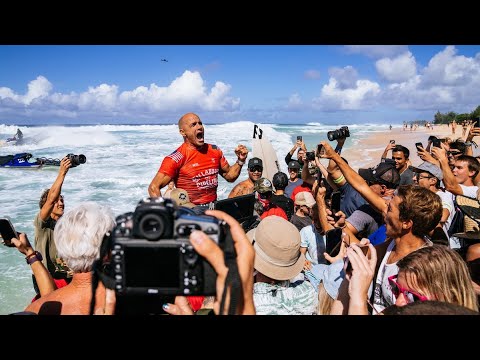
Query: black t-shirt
x=285 y=203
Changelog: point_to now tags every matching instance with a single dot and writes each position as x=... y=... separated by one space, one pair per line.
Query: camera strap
x=233 y=278
x=98 y=270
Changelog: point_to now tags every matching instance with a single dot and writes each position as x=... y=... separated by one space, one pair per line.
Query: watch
x=35 y=256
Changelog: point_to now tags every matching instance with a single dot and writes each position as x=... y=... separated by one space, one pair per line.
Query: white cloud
x=37 y=89
x=398 y=69
x=346 y=77
x=449 y=82
x=182 y=94
x=312 y=74
x=446 y=68
x=361 y=96
x=376 y=51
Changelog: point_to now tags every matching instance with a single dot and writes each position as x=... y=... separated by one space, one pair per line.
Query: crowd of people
x=407 y=237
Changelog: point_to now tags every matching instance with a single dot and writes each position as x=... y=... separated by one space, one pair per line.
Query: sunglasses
x=454 y=153
x=256 y=168
x=410 y=296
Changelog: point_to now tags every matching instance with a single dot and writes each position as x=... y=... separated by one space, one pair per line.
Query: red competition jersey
x=195 y=171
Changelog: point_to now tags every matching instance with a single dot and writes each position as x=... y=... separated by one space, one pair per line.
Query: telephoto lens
x=77 y=159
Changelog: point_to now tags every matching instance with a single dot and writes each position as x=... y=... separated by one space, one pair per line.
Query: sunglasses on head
x=410 y=296
x=255 y=168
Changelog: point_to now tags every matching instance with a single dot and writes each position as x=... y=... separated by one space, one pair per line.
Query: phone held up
x=419 y=146
x=365 y=250
x=299 y=138
x=7 y=231
x=335 y=204
x=392 y=141
x=436 y=142
x=333 y=238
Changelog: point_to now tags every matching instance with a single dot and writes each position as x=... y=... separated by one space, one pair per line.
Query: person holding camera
x=195 y=165
x=51 y=210
x=302 y=149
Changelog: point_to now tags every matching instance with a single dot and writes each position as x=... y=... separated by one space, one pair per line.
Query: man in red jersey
x=195 y=165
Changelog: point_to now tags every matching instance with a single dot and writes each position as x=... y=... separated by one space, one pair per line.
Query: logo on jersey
x=176 y=156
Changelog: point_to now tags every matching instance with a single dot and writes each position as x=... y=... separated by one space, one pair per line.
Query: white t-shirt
x=447 y=203
x=383 y=291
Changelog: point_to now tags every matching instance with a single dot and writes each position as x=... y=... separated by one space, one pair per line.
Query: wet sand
x=367 y=151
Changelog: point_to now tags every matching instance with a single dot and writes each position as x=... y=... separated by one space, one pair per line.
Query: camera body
x=77 y=159
x=343 y=132
x=152 y=254
x=310 y=155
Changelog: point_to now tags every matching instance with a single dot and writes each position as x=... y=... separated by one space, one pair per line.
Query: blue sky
x=261 y=83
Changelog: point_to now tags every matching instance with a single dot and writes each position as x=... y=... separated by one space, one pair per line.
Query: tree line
x=450 y=116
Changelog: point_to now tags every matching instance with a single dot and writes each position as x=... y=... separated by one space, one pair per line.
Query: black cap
x=255 y=162
x=294 y=164
x=384 y=173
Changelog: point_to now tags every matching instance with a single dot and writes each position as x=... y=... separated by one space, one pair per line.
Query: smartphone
x=419 y=146
x=299 y=138
x=7 y=231
x=335 y=204
x=392 y=141
x=476 y=124
x=333 y=238
x=365 y=250
x=436 y=143
x=319 y=149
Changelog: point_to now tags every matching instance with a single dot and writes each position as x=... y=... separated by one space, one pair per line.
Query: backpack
x=457 y=224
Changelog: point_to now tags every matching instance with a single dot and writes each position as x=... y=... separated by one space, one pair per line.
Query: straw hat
x=471 y=208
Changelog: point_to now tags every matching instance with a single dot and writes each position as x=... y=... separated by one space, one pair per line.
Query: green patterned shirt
x=285 y=298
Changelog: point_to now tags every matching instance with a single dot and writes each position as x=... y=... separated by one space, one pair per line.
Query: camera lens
x=82 y=159
x=331 y=135
x=151 y=226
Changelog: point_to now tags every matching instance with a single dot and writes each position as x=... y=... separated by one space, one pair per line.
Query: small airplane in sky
x=165 y=60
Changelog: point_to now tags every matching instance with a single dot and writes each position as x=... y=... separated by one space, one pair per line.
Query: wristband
x=468 y=143
x=241 y=163
x=339 y=180
x=35 y=256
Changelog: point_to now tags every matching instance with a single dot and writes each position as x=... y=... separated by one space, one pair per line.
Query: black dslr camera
x=77 y=159
x=151 y=251
x=343 y=132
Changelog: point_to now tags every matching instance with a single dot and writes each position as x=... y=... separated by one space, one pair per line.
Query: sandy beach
x=368 y=151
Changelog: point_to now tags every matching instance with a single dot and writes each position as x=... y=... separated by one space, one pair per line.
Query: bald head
x=185 y=118
x=191 y=128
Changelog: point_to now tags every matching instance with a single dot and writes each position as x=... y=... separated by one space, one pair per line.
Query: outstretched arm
x=44 y=280
x=56 y=189
x=389 y=147
x=355 y=180
x=449 y=179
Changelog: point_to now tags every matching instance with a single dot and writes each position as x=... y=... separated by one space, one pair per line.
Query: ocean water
x=121 y=162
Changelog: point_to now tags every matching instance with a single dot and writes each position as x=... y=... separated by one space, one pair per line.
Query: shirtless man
x=255 y=169
x=195 y=165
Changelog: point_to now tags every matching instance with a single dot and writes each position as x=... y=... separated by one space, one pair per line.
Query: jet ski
x=24 y=161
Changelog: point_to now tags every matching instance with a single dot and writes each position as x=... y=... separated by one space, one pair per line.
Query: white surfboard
x=263 y=149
